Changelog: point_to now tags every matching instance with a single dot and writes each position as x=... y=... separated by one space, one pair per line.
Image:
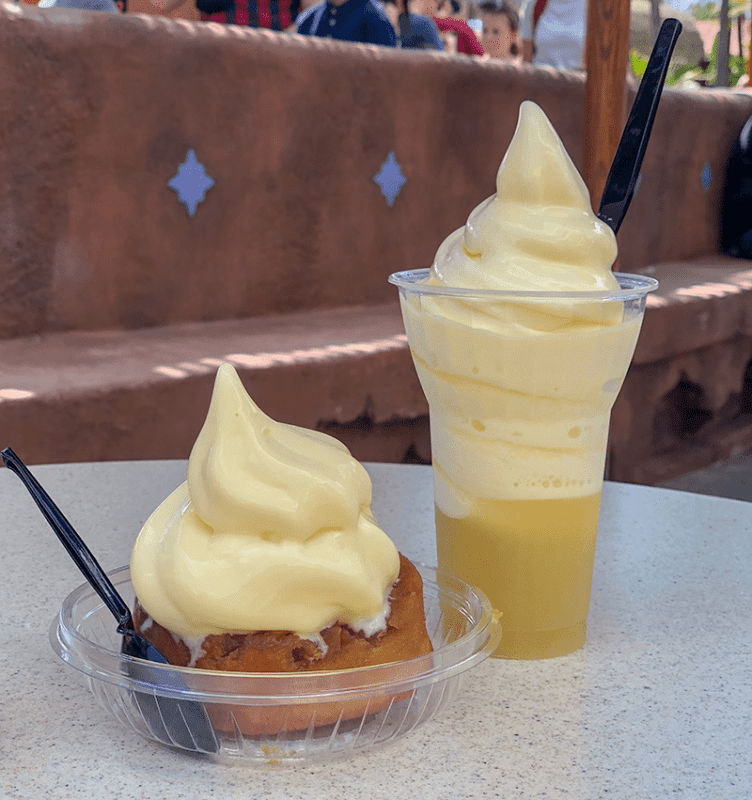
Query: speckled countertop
x=657 y=705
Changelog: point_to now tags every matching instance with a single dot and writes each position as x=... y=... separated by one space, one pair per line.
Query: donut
x=404 y=638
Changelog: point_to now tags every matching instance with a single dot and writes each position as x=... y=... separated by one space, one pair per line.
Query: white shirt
x=560 y=34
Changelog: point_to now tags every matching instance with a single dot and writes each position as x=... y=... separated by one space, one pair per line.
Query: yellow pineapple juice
x=536 y=564
x=521 y=337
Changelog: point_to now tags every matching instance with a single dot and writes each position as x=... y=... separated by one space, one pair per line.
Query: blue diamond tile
x=191 y=183
x=706 y=176
x=390 y=179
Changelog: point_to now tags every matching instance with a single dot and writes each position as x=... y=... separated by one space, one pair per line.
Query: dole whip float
x=521 y=336
x=538 y=232
x=273 y=530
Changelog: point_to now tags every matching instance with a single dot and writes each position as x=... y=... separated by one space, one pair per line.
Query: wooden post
x=724 y=38
x=606 y=61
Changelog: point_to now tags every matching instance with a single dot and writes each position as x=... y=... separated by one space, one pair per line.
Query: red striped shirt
x=273 y=14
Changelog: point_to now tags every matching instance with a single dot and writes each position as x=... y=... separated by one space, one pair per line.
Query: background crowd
x=478 y=28
x=486 y=29
x=548 y=32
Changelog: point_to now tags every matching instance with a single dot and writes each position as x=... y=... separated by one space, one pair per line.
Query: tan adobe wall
x=100 y=110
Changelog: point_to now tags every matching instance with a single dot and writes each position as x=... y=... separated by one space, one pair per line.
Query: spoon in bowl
x=181 y=723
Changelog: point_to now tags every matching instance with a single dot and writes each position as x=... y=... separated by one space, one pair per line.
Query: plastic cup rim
x=632 y=286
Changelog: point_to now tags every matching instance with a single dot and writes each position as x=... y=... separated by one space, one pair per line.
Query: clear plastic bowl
x=337 y=713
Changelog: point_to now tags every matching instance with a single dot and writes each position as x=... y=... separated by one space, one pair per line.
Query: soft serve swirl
x=520 y=389
x=272 y=531
x=538 y=232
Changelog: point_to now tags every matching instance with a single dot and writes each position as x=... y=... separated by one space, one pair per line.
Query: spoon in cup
x=625 y=168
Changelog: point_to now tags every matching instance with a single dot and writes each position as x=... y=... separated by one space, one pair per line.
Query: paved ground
x=732 y=478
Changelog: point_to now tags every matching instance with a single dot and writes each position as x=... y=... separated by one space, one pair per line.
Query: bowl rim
x=447 y=660
x=632 y=287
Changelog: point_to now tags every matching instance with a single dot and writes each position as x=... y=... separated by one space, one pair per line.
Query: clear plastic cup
x=520 y=387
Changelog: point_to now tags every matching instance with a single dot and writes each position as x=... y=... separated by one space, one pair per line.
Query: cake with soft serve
x=268 y=559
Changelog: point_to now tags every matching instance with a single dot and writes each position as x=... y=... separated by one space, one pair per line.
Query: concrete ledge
x=700 y=302
x=144 y=394
x=686 y=402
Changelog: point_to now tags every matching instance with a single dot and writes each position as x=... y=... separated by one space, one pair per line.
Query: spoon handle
x=71 y=541
x=625 y=168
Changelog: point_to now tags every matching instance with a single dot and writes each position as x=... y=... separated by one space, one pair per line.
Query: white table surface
x=657 y=705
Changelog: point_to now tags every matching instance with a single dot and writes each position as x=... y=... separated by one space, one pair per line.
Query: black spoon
x=625 y=168
x=174 y=722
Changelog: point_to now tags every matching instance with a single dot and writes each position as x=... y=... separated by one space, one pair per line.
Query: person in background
x=439 y=11
x=736 y=206
x=363 y=21
x=553 y=32
x=83 y=5
x=416 y=31
x=277 y=15
x=501 y=24
x=468 y=10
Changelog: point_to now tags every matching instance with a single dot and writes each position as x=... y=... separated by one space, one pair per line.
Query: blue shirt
x=83 y=5
x=419 y=33
x=353 y=21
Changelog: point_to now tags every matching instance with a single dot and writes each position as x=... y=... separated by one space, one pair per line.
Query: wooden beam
x=723 y=74
x=606 y=61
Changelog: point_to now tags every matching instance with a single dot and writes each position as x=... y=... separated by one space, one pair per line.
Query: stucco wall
x=99 y=111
